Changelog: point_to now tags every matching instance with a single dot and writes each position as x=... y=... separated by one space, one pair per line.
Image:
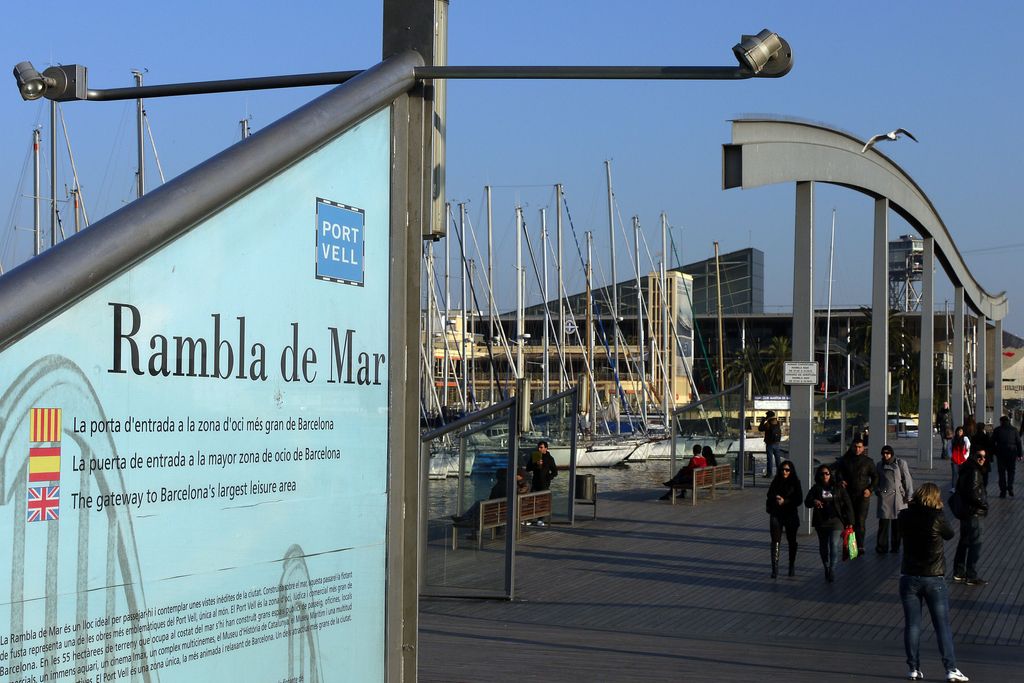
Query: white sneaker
x=956 y=675
x=915 y=675
x=540 y=522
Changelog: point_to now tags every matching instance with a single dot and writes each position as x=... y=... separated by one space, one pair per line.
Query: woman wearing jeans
x=922 y=578
x=831 y=513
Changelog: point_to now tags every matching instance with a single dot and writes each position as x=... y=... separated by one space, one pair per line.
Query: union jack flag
x=43 y=503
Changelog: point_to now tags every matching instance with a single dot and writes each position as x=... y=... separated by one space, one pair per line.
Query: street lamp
x=765 y=55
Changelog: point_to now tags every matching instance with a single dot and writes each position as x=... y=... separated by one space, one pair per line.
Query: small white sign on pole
x=800 y=373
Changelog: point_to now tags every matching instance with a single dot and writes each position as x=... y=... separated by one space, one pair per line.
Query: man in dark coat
x=944 y=423
x=772 y=438
x=543 y=467
x=1007 y=446
x=859 y=477
x=970 y=487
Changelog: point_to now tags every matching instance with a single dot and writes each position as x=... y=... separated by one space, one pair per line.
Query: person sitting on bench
x=685 y=473
x=470 y=517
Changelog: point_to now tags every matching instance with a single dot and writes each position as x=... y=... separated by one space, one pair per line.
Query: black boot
x=830 y=574
x=775 y=560
x=792 y=559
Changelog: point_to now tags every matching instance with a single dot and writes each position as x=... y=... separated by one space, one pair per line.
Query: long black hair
x=819 y=479
x=779 y=479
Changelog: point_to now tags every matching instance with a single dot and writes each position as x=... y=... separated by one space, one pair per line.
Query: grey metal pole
x=878 y=394
x=53 y=174
x=981 y=372
x=471 y=399
x=140 y=112
x=561 y=287
x=463 y=269
x=36 y=194
x=802 y=397
x=520 y=281
x=431 y=313
x=446 y=321
x=640 y=324
x=926 y=359
x=615 y=293
x=244 y=123
x=547 y=311
x=997 y=373
x=721 y=334
x=957 y=406
x=74 y=206
x=490 y=283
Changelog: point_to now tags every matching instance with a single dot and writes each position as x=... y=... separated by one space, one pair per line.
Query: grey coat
x=894 y=487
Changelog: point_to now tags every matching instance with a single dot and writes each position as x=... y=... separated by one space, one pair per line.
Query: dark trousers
x=861 y=505
x=888 y=537
x=777 y=525
x=968 y=548
x=1007 y=466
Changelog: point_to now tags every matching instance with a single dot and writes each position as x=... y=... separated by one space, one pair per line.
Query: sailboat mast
x=615 y=289
x=430 y=386
x=53 y=173
x=447 y=299
x=544 y=285
x=640 y=322
x=490 y=283
x=520 y=281
x=140 y=112
x=36 y=193
x=666 y=374
x=590 y=331
x=721 y=341
x=561 y=286
x=463 y=269
x=828 y=312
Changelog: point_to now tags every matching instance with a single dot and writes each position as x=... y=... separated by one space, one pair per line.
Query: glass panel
x=839 y=420
x=713 y=423
x=554 y=420
x=466 y=479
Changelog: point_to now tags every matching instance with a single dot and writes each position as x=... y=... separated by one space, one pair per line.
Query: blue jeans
x=932 y=590
x=773 y=456
x=828 y=546
x=955 y=469
x=968 y=548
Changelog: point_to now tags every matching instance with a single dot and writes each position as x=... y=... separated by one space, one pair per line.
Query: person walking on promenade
x=772 y=438
x=973 y=506
x=944 y=425
x=958 y=454
x=923 y=580
x=893 y=492
x=831 y=512
x=859 y=477
x=1007 y=446
x=783 y=508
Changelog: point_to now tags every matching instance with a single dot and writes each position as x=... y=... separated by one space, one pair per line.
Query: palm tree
x=779 y=351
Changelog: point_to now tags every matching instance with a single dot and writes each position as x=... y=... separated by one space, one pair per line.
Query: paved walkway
x=652 y=592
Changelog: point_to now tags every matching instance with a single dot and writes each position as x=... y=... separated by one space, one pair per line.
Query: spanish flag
x=44 y=464
x=44 y=425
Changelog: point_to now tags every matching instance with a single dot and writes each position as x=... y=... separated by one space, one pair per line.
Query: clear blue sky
x=947 y=71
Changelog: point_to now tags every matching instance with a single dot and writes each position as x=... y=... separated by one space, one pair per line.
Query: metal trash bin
x=586 y=491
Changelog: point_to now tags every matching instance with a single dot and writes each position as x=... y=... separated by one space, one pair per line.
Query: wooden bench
x=494 y=514
x=707 y=478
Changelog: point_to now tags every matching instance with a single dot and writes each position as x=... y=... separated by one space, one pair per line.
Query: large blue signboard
x=195 y=454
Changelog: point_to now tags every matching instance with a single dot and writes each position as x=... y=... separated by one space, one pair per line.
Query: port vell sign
x=195 y=453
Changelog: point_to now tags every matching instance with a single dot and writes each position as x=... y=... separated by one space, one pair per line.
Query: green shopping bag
x=849 y=542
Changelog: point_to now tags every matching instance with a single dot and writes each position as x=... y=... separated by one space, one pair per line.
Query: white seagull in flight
x=891 y=135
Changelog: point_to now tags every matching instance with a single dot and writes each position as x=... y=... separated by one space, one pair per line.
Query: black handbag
x=956 y=505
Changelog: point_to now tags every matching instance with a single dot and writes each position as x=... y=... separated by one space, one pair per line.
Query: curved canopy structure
x=767 y=151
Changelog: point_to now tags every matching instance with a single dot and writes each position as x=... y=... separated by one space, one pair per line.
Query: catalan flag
x=43 y=503
x=44 y=463
x=44 y=425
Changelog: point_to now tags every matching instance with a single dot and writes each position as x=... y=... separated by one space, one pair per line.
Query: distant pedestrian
x=970 y=489
x=831 y=512
x=685 y=473
x=893 y=492
x=1006 y=443
x=859 y=477
x=709 y=456
x=923 y=581
x=958 y=454
x=783 y=507
x=944 y=425
x=772 y=430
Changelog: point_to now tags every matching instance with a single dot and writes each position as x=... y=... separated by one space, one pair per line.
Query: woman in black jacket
x=831 y=513
x=922 y=578
x=782 y=506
